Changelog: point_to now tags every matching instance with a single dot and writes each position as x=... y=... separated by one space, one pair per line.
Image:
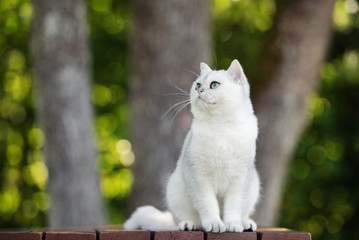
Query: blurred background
x=73 y=68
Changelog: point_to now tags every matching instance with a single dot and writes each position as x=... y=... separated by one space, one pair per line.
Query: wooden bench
x=111 y=234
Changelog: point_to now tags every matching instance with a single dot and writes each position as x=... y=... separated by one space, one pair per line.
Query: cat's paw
x=213 y=226
x=249 y=224
x=235 y=226
x=187 y=225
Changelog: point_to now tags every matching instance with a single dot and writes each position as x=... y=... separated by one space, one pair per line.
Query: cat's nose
x=200 y=90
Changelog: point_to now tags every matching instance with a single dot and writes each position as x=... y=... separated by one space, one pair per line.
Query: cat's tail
x=150 y=218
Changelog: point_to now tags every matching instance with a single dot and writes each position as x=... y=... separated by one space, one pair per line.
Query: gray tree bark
x=61 y=58
x=291 y=63
x=169 y=38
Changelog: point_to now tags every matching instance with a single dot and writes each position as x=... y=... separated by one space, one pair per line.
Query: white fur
x=215 y=185
x=150 y=218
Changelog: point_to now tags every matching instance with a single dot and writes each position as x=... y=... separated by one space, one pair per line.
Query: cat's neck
x=228 y=115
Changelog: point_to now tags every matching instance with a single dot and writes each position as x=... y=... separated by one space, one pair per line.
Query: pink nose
x=200 y=90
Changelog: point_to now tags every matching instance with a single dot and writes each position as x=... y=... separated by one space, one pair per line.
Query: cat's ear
x=236 y=71
x=205 y=68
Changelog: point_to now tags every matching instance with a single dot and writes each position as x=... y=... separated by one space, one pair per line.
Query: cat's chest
x=213 y=145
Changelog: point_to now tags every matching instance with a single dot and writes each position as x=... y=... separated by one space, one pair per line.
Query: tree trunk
x=169 y=38
x=291 y=63
x=61 y=59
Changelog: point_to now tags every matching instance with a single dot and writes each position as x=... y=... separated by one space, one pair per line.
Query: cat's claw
x=186 y=226
x=235 y=227
x=249 y=224
x=214 y=226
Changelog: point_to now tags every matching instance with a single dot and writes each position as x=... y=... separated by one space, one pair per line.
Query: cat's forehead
x=213 y=75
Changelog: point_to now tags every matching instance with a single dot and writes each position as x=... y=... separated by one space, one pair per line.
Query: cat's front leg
x=204 y=201
x=233 y=206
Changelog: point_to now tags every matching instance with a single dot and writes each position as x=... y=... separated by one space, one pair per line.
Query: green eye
x=214 y=85
x=198 y=86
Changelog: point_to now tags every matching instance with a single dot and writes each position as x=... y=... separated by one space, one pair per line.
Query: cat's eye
x=198 y=86
x=214 y=85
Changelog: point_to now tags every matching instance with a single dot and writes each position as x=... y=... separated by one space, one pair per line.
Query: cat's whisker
x=178 y=94
x=174 y=106
x=192 y=98
x=196 y=74
x=215 y=68
x=179 y=110
x=197 y=68
x=178 y=88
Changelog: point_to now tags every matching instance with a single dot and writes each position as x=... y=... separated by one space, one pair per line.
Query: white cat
x=215 y=185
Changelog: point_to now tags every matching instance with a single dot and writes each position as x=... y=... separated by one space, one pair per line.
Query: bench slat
x=124 y=235
x=70 y=235
x=117 y=234
x=176 y=235
x=21 y=235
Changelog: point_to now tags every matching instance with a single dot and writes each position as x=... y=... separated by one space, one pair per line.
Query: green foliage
x=321 y=194
x=23 y=173
x=238 y=26
x=109 y=25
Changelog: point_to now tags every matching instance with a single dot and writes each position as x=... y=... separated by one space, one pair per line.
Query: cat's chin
x=201 y=102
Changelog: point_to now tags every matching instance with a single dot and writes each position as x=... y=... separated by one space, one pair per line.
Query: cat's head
x=220 y=92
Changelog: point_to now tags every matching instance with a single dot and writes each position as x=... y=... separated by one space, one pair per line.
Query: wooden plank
x=116 y=234
x=179 y=235
x=232 y=236
x=21 y=235
x=70 y=235
x=124 y=235
x=282 y=234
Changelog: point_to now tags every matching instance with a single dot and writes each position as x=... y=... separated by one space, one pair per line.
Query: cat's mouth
x=203 y=101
